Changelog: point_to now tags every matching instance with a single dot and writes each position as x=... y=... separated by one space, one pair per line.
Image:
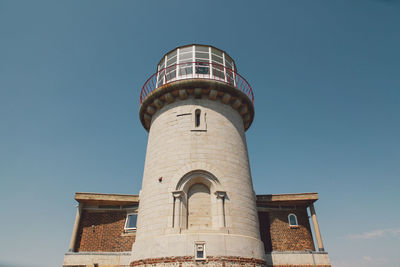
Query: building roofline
x=102 y=199
x=124 y=199
x=296 y=198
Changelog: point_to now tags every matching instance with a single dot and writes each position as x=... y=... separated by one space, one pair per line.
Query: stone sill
x=129 y=232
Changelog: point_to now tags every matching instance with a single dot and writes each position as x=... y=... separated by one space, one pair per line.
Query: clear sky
x=326 y=77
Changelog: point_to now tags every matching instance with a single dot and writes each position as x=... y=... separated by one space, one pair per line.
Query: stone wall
x=103 y=231
x=99 y=259
x=285 y=259
x=213 y=154
x=190 y=261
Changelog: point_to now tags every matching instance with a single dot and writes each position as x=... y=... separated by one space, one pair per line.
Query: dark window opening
x=200 y=254
x=197 y=117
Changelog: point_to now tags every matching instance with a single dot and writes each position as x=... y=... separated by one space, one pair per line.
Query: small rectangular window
x=130 y=223
x=200 y=55
x=200 y=250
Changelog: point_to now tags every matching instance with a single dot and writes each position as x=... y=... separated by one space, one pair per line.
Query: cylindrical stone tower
x=197 y=202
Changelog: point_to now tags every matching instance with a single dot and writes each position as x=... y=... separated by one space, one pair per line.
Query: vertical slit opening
x=197 y=117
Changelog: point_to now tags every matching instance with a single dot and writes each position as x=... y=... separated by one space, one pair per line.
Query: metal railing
x=196 y=70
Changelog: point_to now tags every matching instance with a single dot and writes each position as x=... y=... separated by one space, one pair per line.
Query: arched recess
x=198 y=176
x=199 y=207
x=198 y=202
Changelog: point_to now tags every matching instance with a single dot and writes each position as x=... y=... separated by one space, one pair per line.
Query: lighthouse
x=197 y=205
x=197 y=200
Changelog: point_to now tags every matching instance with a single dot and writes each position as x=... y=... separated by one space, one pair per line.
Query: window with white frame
x=200 y=250
x=292 y=218
x=130 y=222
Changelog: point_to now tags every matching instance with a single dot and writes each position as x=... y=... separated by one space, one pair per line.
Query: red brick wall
x=106 y=234
x=286 y=238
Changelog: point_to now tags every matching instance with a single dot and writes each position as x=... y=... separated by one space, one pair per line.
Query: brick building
x=197 y=205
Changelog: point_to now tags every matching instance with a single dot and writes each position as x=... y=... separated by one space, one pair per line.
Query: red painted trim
x=233 y=78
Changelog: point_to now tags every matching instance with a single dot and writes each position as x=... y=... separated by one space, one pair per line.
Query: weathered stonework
x=215 y=156
x=190 y=261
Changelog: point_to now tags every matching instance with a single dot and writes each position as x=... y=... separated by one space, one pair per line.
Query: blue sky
x=326 y=77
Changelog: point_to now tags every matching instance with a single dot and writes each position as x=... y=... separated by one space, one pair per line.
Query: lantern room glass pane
x=202 y=55
x=216 y=52
x=185 y=49
x=185 y=69
x=218 y=72
x=184 y=56
x=171 y=75
x=202 y=48
x=171 y=61
x=229 y=76
x=202 y=68
x=160 y=78
x=217 y=59
x=172 y=54
x=228 y=62
x=161 y=65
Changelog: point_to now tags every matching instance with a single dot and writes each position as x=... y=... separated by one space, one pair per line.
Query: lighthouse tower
x=197 y=202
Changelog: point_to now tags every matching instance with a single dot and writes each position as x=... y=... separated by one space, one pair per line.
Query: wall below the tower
x=280 y=259
x=182 y=245
x=103 y=242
